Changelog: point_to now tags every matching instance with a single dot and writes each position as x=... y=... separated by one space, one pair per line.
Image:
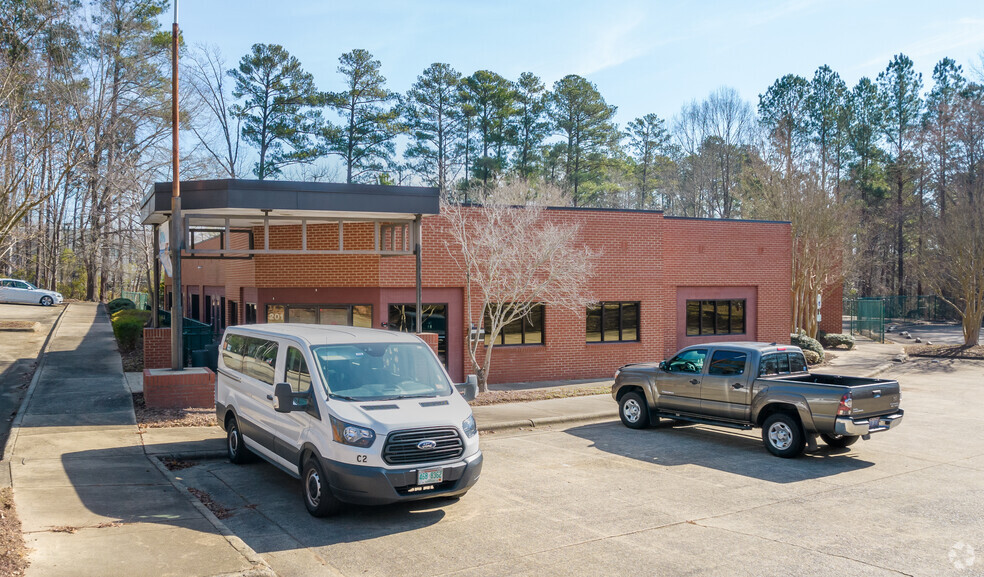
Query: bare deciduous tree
x=513 y=258
x=956 y=270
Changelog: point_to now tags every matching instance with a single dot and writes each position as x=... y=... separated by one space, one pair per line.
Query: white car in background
x=21 y=291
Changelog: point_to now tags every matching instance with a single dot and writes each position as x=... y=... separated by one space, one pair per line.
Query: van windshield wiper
x=344 y=398
x=399 y=397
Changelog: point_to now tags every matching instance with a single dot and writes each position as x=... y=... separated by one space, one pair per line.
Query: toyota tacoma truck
x=757 y=385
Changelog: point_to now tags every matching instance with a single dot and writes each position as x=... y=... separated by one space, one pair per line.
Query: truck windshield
x=381 y=371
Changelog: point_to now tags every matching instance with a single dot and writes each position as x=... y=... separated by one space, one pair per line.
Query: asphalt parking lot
x=18 y=353
x=600 y=499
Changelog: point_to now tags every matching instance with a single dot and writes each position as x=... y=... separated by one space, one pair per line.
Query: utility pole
x=177 y=234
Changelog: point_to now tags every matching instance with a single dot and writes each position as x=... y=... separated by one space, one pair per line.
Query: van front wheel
x=317 y=495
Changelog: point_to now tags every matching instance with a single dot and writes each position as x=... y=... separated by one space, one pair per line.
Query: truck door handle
x=694 y=381
x=269 y=397
x=736 y=386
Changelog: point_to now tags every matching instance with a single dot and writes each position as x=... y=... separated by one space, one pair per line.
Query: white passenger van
x=359 y=415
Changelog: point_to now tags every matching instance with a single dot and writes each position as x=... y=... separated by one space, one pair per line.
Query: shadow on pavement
x=674 y=444
x=263 y=504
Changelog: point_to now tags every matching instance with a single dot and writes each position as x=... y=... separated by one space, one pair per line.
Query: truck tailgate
x=880 y=398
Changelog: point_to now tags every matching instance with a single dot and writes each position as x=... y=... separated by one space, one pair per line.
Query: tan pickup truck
x=746 y=385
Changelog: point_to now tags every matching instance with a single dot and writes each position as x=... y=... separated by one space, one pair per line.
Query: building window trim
x=318 y=307
x=602 y=307
x=697 y=329
x=523 y=322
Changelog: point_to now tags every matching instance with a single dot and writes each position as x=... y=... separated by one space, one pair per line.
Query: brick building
x=661 y=283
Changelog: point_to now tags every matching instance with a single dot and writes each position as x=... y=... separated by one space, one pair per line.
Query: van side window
x=260 y=359
x=727 y=363
x=297 y=375
x=232 y=352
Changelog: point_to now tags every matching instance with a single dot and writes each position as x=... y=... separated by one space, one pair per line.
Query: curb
x=547 y=421
x=15 y=426
x=260 y=566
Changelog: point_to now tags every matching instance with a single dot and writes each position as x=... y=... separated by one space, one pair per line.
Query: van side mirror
x=283 y=398
x=469 y=389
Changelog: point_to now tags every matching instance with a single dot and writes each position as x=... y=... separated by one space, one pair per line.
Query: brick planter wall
x=157 y=348
x=192 y=387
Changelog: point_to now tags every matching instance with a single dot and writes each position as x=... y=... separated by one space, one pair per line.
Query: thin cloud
x=956 y=35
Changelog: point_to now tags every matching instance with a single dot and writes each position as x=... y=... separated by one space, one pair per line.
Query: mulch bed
x=133 y=360
x=148 y=418
x=946 y=351
x=496 y=397
x=13 y=553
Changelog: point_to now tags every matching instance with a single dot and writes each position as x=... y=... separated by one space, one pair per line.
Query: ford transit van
x=359 y=415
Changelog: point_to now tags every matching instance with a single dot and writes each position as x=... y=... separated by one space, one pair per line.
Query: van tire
x=318 y=499
x=236 y=448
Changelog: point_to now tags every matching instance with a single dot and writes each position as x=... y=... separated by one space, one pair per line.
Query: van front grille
x=403 y=447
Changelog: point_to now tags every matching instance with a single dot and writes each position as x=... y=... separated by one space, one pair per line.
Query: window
x=403 y=317
x=208 y=310
x=782 y=363
x=691 y=361
x=523 y=331
x=250 y=313
x=612 y=322
x=234 y=312
x=195 y=314
x=298 y=376
x=260 y=359
x=727 y=363
x=346 y=315
x=380 y=371
x=726 y=317
x=232 y=351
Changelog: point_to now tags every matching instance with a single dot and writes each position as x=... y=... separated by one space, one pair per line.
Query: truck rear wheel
x=783 y=436
x=633 y=411
x=839 y=441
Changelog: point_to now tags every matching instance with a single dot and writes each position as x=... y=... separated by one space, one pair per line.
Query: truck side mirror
x=283 y=398
x=663 y=366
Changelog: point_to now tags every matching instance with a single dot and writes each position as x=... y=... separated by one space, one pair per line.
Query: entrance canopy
x=226 y=207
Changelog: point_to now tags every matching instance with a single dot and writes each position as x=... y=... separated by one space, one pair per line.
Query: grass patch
x=946 y=351
x=497 y=397
x=148 y=418
x=13 y=552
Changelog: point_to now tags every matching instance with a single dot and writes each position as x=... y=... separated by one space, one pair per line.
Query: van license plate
x=874 y=423
x=430 y=476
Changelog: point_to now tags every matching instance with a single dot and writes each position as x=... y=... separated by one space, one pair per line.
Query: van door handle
x=694 y=382
x=269 y=397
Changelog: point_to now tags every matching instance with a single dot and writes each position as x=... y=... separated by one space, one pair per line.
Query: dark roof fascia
x=292 y=196
x=575 y=208
x=749 y=220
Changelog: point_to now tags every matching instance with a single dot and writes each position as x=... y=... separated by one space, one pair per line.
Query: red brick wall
x=185 y=389
x=157 y=348
x=643 y=257
x=832 y=309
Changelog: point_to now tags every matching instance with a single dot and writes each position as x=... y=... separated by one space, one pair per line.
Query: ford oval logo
x=427 y=445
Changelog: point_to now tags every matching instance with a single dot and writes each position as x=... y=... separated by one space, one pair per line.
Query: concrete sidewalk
x=89 y=499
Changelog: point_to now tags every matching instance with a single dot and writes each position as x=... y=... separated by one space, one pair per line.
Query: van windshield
x=381 y=371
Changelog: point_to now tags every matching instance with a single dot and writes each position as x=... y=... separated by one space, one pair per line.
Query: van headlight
x=349 y=434
x=469 y=427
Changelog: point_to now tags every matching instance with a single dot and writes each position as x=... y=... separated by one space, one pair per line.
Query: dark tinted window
x=782 y=363
x=797 y=363
x=522 y=331
x=727 y=363
x=612 y=322
x=724 y=317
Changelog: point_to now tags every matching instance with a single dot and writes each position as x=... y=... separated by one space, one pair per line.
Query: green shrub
x=811 y=357
x=834 y=340
x=807 y=343
x=119 y=305
x=128 y=326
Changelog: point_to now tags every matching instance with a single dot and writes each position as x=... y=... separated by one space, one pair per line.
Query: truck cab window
x=691 y=361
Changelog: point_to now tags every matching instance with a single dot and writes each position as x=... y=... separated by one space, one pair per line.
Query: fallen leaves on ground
x=13 y=552
x=148 y=418
x=207 y=500
x=496 y=397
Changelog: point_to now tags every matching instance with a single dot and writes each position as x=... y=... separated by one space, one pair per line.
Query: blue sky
x=643 y=56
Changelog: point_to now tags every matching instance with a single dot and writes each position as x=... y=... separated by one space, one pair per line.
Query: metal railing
x=195 y=335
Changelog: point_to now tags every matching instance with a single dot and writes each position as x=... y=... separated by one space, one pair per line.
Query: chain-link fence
x=869 y=314
x=139 y=299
